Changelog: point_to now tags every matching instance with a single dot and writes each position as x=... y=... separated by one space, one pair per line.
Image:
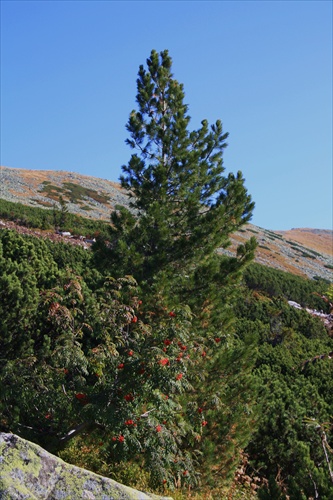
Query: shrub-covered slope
x=92 y=198
x=62 y=358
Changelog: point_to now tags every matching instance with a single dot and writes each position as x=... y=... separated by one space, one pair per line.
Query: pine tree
x=63 y=211
x=183 y=207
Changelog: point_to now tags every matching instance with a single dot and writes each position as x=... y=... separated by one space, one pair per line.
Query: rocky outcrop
x=29 y=472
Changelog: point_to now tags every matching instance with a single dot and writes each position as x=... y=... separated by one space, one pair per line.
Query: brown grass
x=321 y=242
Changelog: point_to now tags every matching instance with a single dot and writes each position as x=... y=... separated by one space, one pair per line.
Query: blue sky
x=68 y=84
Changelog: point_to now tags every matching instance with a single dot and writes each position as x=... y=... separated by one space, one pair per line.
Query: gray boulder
x=28 y=472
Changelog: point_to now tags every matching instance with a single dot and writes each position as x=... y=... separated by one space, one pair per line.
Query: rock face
x=29 y=472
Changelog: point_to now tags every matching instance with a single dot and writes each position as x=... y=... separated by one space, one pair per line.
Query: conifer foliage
x=185 y=208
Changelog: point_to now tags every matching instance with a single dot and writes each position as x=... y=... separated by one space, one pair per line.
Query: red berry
x=164 y=361
x=82 y=398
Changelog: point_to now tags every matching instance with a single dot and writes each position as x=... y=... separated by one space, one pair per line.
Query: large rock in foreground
x=29 y=472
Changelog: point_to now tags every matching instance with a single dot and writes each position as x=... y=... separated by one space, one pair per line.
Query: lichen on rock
x=29 y=472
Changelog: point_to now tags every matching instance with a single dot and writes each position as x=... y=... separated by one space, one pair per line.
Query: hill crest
x=302 y=251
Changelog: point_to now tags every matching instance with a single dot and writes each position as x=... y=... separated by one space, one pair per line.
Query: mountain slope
x=305 y=252
x=319 y=240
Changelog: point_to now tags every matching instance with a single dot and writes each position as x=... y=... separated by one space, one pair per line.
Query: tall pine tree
x=183 y=207
x=182 y=210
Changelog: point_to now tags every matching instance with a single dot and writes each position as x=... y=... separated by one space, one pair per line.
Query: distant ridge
x=42 y=188
x=320 y=240
x=302 y=251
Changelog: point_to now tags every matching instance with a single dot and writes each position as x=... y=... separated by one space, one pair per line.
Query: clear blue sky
x=68 y=84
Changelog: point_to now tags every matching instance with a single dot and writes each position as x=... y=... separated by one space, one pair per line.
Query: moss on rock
x=29 y=472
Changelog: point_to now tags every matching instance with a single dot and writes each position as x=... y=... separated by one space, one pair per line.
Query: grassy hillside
x=304 y=252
